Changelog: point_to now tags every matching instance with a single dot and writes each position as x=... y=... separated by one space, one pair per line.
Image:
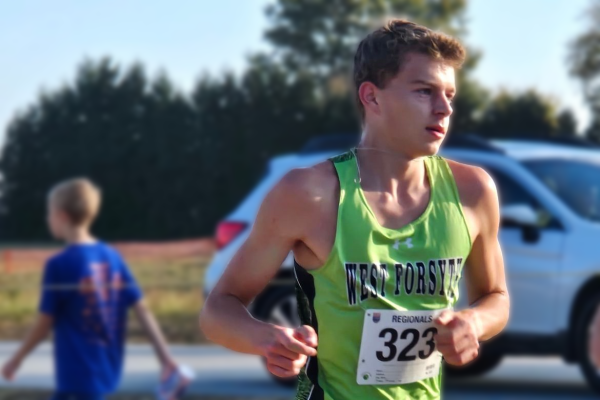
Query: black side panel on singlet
x=308 y=382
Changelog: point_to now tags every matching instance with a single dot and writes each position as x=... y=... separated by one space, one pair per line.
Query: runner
x=381 y=236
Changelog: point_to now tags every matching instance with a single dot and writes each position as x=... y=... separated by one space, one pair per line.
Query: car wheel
x=486 y=361
x=278 y=306
x=582 y=336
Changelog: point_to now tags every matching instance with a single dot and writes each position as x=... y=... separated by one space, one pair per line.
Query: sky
x=524 y=43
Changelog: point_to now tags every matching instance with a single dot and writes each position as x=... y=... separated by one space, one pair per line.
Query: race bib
x=398 y=347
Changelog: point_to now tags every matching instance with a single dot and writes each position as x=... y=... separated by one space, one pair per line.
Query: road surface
x=223 y=373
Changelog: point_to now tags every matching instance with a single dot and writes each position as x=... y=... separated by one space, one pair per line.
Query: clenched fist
x=458 y=336
x=287 y=350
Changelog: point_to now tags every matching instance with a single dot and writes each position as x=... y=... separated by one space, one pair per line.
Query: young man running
x=380 y=236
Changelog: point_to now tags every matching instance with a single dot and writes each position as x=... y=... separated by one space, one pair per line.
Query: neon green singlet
x=416 y=267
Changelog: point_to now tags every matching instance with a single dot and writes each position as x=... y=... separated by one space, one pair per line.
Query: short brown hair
x=380 y=56
x=78 y=198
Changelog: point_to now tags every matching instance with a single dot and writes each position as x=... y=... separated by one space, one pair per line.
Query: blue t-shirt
x=88 y=288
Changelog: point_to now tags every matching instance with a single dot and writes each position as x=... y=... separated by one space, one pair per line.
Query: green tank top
x=416 y=267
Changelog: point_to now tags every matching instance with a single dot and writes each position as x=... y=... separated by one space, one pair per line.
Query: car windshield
x=576 y=182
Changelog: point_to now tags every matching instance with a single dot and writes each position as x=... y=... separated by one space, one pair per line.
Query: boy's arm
x=148 y=322
x=49 y=304
x=460 y=332
x=280 y=223
x=486 y=282
x=40 y=330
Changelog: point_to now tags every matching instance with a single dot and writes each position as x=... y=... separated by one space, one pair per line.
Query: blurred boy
x=86 y=292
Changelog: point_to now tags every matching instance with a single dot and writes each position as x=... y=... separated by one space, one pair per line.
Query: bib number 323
x=398 y=347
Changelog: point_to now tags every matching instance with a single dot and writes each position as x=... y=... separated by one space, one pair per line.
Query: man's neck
x=382 y=165
x=79 y=236
x=383 y=171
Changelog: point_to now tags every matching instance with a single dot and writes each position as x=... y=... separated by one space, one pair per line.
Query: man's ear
x=367 y=93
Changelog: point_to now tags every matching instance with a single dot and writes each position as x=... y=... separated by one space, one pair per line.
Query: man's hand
x=10 y=368
x=458 y=336
x=288 y=349
x=594 y=339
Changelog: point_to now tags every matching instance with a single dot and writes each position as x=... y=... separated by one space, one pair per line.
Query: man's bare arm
x=460 y=332
x=225 y=319
x=486 y=282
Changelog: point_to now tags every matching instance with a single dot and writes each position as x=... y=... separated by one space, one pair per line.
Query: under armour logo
x=407 y=242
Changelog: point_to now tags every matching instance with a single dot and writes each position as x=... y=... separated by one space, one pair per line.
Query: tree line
x=172 y=164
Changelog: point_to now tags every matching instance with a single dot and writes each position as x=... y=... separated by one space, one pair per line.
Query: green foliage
x=527 y=114
x=130 y=135
x=567 y=124
x=171 y=164
x=307 y=37
x=470 y=100
x=593 y=131
x=585 y=65
x=309 y=40
x=170 y=290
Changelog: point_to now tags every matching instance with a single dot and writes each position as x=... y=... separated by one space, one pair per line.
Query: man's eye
x=424 y=91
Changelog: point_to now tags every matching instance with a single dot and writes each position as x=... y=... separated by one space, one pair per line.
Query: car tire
x=278 y=306
x=591 y=373
x=485 y=362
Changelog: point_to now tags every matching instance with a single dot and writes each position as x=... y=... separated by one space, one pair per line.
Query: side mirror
x=523 y=216
x=519 y=214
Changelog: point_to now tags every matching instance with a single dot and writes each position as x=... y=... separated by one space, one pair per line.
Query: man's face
x=414 y=107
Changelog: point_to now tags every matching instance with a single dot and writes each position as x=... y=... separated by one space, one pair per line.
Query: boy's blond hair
x=78 y=198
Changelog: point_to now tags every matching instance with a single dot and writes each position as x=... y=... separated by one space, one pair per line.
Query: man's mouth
x=436 y=130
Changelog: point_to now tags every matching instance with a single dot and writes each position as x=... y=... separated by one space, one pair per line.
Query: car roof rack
x=470 y=141
x=329 y=143
x=573 y=141
x=341 y=142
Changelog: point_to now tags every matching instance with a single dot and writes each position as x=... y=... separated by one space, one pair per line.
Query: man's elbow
x=204 y=319
x=202 y=323
x=506 y=307
x=502 y=311
x=219 y=309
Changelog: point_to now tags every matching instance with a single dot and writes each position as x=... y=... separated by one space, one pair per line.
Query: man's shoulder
x=303 y=195
x=320 y=179
x=478 y=194
x=472 y=181
x=311 y=180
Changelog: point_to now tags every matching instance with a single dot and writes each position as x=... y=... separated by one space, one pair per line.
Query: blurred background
x=178 y=110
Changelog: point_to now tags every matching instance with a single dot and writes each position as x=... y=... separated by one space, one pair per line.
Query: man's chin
x=430 y=149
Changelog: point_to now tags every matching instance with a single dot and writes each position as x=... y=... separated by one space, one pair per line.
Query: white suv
x=550 y=237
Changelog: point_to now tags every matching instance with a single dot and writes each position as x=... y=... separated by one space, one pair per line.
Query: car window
x=575 y=182
x=511 y=192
